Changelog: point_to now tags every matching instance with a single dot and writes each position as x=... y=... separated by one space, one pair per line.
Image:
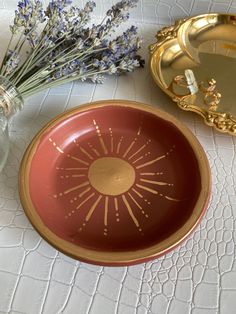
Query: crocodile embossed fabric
x=198 y=277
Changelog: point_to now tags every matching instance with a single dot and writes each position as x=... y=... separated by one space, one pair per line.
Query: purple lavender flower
x=65 y=19
x=28 y=15
x=118 y=13
x=128 y=65
x=12 y=62
x=65 y=48
x=56 y=7
x=97 y=78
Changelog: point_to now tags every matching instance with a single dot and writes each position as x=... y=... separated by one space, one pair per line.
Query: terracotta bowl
x=114 y=182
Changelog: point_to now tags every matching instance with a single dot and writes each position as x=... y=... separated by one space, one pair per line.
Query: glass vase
x=11 y=102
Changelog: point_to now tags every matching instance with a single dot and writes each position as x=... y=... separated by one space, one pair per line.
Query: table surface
x=197 y=277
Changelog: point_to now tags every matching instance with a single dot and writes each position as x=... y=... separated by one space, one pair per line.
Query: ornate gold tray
x=194 y=62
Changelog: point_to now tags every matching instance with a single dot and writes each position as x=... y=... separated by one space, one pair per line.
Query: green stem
x=5 y=56
x=16 y=72
x=28 y=92
x=25 y=65
x=30 y=64
x=76 y=57
x=63 y=52
x=30 y=81
x=18 y=42
x=66 y=35
x=23 y=69
x=17 y=49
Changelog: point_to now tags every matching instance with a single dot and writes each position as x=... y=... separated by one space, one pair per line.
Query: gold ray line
x=77 y=159
x=117 y=209
x=118 y=146
x=146 y=188
x=56 y=146
x=112 y=140
x=150 y=162
x=84 y=192
x=130 y=211
x=139 y=194
x=139 y=130
x=103 y=145
x=172 y=199
x=112 y=145
x=78 y=175
x=92 y=209
x=139 y=206
x=151 y=173
x=86 y=153
x=137 y=160
x=100 y=137
x=76 y=187
x=94 y=149
x=84 y=201
x=156 y=182
x=69 y=169
x=138 y=151
x=73 y=176
x=106 y=211
x=129 y=148
x=116 y=204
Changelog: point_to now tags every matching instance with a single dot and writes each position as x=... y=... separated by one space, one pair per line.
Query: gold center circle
x=111 y=175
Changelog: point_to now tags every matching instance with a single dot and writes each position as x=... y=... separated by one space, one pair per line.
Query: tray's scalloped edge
x=221 y=121
x=165 y=34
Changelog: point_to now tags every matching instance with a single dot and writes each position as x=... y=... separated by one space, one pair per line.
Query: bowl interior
x=114 y=178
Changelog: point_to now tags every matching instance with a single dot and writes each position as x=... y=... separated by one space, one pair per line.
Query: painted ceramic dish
x=114 y=182
x=194 y=62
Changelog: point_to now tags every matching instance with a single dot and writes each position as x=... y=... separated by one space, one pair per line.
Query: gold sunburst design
x=112 y=177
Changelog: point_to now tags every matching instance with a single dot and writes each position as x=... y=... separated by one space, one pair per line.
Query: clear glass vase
x=10 y=103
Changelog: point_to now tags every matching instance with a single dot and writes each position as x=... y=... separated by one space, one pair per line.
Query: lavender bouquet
x=61 y=46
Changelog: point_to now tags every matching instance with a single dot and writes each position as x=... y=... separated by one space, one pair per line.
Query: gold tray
x=194 y=62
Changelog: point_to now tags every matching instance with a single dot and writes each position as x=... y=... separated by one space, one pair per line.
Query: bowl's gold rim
x=116 y=258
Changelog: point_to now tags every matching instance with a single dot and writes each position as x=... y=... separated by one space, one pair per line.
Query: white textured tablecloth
x=198 y=277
